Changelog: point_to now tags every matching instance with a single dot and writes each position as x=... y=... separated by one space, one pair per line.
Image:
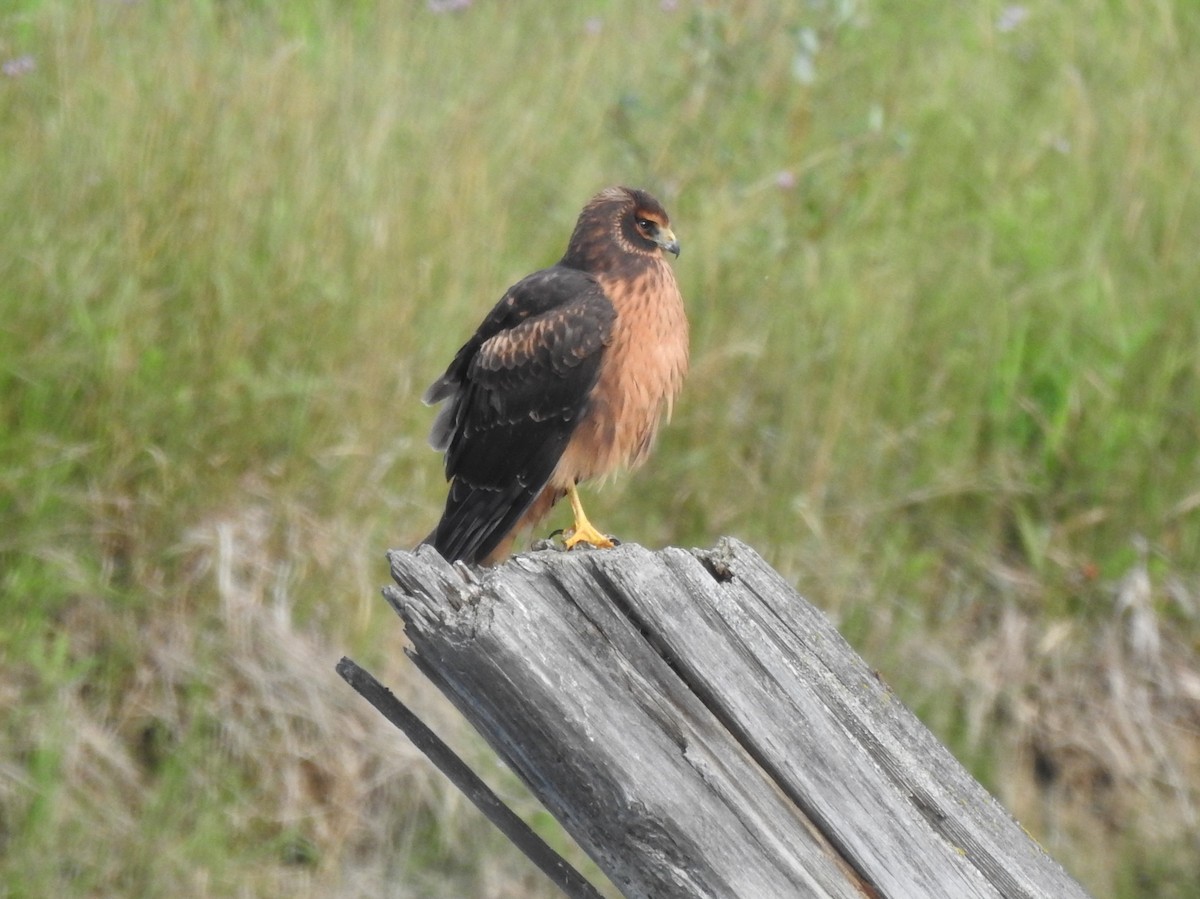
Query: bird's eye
x=645 y=224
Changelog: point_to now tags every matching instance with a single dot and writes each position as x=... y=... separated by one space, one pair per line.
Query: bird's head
x=623 y=219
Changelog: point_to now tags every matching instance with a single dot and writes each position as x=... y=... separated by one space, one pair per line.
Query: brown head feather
x=611 y=234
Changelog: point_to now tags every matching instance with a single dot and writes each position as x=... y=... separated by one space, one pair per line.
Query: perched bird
x=566 y=379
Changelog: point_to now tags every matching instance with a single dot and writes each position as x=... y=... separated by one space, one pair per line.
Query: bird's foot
x=590 y=536
x=584 y=532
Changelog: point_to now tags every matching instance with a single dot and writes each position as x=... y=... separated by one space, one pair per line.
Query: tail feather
x=477 y=520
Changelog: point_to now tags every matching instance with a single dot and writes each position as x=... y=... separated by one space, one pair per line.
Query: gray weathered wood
x=702 y=731
x=522 y=836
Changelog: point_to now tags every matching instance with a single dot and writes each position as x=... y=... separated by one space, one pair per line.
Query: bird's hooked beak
x=665 y=238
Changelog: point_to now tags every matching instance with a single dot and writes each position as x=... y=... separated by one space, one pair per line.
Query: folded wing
x=513 y=396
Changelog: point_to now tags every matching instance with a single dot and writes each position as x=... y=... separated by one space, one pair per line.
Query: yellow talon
x=584 y=532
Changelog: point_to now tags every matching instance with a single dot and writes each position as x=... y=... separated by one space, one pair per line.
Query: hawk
x=566 y=379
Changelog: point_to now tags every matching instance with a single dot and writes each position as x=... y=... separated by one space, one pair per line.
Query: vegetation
x=941 y=268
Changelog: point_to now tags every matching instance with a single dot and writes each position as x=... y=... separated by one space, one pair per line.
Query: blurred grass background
x=941 y=266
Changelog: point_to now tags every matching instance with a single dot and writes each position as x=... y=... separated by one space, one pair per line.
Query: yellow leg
x=584 y=532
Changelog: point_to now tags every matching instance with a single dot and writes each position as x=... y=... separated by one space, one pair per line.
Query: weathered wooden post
x=703 y=731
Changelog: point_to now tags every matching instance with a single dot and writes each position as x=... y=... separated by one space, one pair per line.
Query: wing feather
x=513 y=396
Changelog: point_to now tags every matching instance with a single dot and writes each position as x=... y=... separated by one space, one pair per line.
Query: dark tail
x=477 y=519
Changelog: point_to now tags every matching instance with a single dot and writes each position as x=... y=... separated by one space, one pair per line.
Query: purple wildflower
x=440 y=6
x=1011 y=18
x=18 y=66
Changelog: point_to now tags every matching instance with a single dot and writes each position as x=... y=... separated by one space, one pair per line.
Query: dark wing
x=514 y=394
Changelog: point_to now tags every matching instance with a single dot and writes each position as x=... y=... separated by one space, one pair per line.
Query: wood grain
x=703 y=731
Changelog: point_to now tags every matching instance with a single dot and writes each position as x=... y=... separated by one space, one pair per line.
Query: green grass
x=946 y=375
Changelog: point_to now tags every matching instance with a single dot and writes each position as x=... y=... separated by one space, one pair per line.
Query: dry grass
x=1089 y=731
x=336 y=801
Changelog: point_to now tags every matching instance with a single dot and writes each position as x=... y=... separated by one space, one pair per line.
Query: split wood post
x=703 y=731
